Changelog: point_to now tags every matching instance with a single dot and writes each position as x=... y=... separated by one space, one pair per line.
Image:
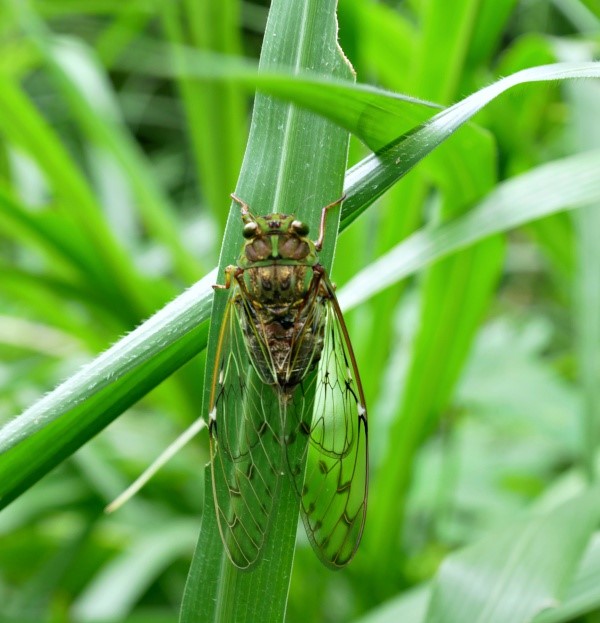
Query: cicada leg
x=230 y=272
x=321 y=238
x=245 y=207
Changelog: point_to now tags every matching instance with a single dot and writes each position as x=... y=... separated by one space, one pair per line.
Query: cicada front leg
x=321 y=238
x=231 y=272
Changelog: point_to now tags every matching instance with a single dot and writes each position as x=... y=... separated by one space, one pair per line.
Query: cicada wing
x=245 y=443
x=334 y=490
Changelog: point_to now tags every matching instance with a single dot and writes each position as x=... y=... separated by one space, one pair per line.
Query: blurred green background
x=114 y=189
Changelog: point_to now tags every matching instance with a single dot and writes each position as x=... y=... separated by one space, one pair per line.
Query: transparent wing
x=334 y=490
x=245 y=443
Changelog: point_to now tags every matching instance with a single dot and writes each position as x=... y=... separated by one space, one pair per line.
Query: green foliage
x=468 y=266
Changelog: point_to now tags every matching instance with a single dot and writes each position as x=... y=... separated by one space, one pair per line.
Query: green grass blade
x=412 y=148
x=47 y=231
x=445 y=27
x=55 y=426
x=491 y=23
x=294 y=164
x=374 y=115
x=583 y=595
x=129 y=23
x=585 y=99
x=124 y=579
x=491 y=581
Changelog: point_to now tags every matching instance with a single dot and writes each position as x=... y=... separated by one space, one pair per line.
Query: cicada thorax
x=280 y=305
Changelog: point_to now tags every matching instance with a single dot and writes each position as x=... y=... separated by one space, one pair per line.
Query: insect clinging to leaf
x=286 y=399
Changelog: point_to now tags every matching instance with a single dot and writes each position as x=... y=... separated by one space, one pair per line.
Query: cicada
x=286 y=394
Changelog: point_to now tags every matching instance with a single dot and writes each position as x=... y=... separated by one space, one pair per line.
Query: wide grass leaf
x=543 y=569
x=517 y=572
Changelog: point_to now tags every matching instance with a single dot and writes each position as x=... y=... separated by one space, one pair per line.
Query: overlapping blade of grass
x=294 y=164
x=87 y=402
x=410 y=149
x=375 y=115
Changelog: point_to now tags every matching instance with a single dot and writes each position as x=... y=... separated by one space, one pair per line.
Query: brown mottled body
x=284 y=333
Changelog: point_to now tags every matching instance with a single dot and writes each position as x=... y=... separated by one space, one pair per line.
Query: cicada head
x=276 y=237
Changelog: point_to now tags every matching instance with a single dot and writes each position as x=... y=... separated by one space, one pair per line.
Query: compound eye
x=250 y=230
x=300 y=228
